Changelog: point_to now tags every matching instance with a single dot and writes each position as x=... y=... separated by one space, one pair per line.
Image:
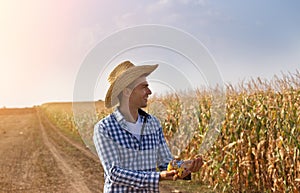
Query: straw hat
x=122 y=76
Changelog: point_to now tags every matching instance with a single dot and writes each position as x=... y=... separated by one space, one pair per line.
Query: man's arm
x=164 y=153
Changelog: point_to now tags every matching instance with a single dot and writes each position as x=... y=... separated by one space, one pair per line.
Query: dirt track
x=35 y=157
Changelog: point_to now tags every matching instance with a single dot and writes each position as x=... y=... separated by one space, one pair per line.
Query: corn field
x=258 y=145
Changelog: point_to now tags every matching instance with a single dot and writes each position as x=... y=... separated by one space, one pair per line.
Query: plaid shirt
x=129 y=164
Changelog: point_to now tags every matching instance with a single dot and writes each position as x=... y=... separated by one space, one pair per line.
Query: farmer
x=129 y=142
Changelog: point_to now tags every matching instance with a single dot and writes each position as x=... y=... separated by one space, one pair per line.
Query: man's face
x=140 y=93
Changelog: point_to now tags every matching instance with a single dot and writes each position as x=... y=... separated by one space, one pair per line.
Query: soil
x=35 y=156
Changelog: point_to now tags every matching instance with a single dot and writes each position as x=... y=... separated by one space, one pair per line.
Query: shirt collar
x=120 y=118
x=118 y=115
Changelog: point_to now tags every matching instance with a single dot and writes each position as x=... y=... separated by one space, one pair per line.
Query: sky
x=44 y=43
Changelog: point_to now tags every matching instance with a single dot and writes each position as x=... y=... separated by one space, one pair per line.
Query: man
x=129 y=142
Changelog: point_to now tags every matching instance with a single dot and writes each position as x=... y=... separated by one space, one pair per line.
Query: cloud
x=126 y=19
x=156 y=7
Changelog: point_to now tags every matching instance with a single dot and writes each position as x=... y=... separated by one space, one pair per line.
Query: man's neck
x=130 y=114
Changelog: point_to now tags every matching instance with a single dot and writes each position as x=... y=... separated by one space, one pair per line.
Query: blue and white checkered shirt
x=129 y=164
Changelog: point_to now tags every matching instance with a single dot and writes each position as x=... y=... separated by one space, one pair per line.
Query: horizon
x=250 y=80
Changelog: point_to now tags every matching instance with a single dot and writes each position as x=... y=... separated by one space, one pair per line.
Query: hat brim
x=125 y=79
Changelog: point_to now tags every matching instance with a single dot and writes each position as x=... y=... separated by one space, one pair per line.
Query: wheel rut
x=75 y=179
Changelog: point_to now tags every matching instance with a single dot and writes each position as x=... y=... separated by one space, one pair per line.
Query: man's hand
x=167 y=175
x=182 y=170
x=196 y=164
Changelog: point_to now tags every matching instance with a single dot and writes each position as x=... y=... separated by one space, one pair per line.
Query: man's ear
x=127 y=92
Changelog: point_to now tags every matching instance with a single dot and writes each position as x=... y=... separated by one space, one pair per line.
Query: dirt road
x=35 y=157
